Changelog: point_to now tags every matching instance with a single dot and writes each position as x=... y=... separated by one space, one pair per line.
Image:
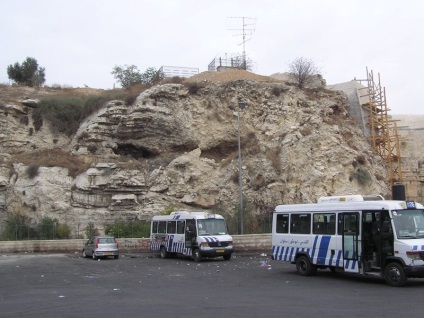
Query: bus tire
x=227 y=257
x=395 y=275
x=197 y=257
x=304 y=266
x=163 y=253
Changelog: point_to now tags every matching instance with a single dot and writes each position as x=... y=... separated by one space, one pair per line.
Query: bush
x=65 y=114
x=193 y=88
x=363 y=176
x=32 y=171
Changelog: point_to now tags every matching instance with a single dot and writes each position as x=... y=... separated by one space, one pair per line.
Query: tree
x=29 y=73
x=302 y=71
x=127 y=75
x=151 y=76
x=90 y=230
x=47 y=228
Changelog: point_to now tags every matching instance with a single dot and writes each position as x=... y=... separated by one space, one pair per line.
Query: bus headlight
x=414 y=255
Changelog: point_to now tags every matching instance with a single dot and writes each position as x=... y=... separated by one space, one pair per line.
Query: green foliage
x=65 y=114
x=90 y=230
x=168 y=210
x=151 y=76
x=29 y=73
x=47 y=228
x=63 y=231
x=363 y=176
x=17 y=227
x=123 y=228
x=127 y=75
x=302 y=71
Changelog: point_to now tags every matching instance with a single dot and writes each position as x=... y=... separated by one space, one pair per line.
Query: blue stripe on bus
x=339 y=256
x=314 y=247
x=170 y=241
x=323 y=249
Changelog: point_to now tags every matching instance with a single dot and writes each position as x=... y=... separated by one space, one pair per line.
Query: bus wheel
x=227 y=257
x=304 y=266
x=163 y=252
x=197 y=257
x=395 y=275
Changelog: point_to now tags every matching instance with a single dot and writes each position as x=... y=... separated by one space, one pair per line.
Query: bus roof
x=346 y=206
x=183 y=215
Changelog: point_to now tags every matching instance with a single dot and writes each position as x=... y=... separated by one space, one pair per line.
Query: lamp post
x=241 y=106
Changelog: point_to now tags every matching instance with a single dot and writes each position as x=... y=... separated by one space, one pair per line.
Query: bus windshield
x=409 y=224
x=211 y=227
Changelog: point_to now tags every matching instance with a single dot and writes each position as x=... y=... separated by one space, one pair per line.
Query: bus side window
x=300 y=223
x=282 y=223
x=331 y=226
x=155 y=227
x=171 y=227
x=180 y=227
x=162 y=227
x=340 y=224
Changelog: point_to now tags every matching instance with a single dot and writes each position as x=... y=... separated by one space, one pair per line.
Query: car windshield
x=409 y=224
x=211 y=227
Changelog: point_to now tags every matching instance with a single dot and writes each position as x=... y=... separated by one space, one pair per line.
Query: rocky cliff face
x=177 y=145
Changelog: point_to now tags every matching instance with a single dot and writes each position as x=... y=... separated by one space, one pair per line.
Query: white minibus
x=194 y=234
x=359 y=234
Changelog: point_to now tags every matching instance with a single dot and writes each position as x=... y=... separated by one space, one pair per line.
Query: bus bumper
x=216 y=252
x=414 y=271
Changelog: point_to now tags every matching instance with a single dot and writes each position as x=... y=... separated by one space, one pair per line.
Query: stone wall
x=254 y=243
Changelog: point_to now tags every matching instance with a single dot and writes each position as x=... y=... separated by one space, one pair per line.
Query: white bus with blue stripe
x=366 y=235
x=193 y=234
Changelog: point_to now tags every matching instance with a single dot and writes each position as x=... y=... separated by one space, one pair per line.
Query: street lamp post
x=241 y=106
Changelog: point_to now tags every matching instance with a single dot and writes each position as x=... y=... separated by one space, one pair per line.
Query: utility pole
x=241 y=106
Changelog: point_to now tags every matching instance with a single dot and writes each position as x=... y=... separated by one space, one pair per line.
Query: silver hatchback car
x=100 y=247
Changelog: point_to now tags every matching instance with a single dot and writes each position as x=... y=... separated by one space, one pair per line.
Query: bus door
x=190 y=233
x=351 y=254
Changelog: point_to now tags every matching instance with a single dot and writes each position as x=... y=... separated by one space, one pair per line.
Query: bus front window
x=409 y=224
x=211 y=227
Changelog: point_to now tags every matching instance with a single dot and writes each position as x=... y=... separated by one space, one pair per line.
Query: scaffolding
x=383 y=130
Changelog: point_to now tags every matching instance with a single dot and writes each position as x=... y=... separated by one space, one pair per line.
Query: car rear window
x=106 y=240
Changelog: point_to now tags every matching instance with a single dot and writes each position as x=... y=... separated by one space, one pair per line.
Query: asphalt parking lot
x=67 y=285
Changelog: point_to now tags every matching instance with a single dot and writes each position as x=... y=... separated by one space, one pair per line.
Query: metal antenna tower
x=245 y=30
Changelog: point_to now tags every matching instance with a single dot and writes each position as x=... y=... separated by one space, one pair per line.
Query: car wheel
x=227 y=257
x=116 y=256
x=84 y=254
x=93 y=255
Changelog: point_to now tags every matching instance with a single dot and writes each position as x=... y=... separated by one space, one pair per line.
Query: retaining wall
x=253 y=243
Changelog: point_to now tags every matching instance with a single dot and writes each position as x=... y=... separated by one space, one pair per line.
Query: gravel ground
x=227 y=76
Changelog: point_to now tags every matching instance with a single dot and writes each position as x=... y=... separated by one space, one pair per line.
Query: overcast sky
x=80 y=41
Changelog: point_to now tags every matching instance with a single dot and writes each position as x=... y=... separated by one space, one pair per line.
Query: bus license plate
x=220 y=251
